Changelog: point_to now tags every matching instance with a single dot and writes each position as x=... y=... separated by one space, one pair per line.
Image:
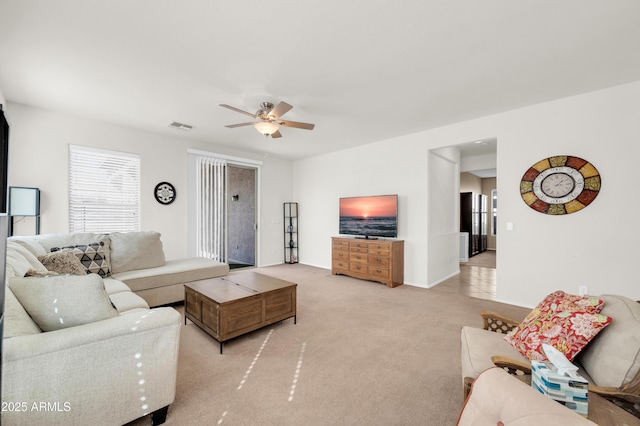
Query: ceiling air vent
x=180 y=126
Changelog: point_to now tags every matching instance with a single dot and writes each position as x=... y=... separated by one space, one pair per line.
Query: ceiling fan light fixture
x=266 y=127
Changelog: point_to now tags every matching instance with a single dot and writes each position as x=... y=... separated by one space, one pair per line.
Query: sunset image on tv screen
x=369 y=216
x=368 y=206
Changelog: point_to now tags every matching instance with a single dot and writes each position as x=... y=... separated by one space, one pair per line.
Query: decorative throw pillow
x=136 y=250
x=564 y=321
x=62 y=262
x=94 y=257
x=43 y=272
x=559 y=301
x=63 y=301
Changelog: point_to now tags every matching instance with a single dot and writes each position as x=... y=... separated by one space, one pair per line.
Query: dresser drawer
x=358 y=249
x=378 y=272
x=340 y=255
x=340 y=265
x=359 y=246
x=358 y=267
x=358 y=258
x=378 y=261
x=341 y=245
x=380 y=249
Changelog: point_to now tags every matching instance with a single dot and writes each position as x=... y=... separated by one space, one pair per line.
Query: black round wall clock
x=559 y=185
x=165 y=193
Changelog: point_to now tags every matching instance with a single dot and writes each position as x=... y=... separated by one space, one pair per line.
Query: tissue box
x=568 y=391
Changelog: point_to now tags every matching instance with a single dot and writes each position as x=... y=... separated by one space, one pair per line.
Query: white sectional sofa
x=83 y=348
x=136 y=259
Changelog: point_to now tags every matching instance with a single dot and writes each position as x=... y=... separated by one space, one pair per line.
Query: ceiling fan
x=269 y=121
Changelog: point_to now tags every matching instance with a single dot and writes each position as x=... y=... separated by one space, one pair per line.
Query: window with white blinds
x=104 y=190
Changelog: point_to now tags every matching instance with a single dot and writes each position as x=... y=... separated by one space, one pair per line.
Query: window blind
x=211 y=208
x=104 y=190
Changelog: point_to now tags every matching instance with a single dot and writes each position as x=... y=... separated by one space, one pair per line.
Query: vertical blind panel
x=211 y=208
x=104 y=191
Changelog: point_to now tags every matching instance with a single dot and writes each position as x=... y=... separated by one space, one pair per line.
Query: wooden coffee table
x=237 y=304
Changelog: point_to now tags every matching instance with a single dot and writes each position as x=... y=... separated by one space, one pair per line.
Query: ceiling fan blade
x=297 y=124
x=232 y=126
x=238 y=110
x=276 y=134
x=281 y=109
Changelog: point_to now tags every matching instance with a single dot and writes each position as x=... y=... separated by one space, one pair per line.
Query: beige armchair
x=611 y=362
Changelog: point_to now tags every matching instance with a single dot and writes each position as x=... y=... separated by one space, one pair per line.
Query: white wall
x=595 y=247
x=39 y=157
x=378 y=169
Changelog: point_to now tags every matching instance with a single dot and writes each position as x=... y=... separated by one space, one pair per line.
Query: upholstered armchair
x=610 y=362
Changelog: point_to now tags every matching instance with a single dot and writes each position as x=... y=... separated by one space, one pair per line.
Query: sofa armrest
x=496 y=399
x=112 y=371
x=515 y=367
x=498 y=323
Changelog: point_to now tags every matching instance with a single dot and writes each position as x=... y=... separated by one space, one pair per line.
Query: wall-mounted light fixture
x=24 y=201
x=235 y=197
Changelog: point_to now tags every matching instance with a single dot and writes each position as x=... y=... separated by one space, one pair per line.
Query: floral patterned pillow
x=564 y=321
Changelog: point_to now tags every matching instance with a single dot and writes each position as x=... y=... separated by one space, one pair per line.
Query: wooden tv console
x=375 y=260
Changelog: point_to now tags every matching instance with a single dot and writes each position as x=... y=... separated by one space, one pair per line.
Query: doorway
x=223 y=193
x=241 y=223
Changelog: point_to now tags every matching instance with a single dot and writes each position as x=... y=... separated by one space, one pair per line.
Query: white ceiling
x=361 y=70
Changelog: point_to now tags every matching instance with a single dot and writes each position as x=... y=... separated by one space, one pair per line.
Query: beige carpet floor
x=360 y=354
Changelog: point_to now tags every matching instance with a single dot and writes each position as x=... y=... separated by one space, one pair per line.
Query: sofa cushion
x=567 y=322
x=135 y=250
x=20 y=260
x=62 y=262
x=94 y=257
x=31 y=244
x=47 y=241
x=127 y=301
x=478 y=346
x=17 y=321
x=613 y=357
x=173 y=272
x=63 y=301
x=112 y=286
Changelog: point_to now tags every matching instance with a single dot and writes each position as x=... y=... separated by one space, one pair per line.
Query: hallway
x=477 y=277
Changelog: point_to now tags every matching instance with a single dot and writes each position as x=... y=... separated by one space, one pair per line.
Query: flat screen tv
x=369 y=217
